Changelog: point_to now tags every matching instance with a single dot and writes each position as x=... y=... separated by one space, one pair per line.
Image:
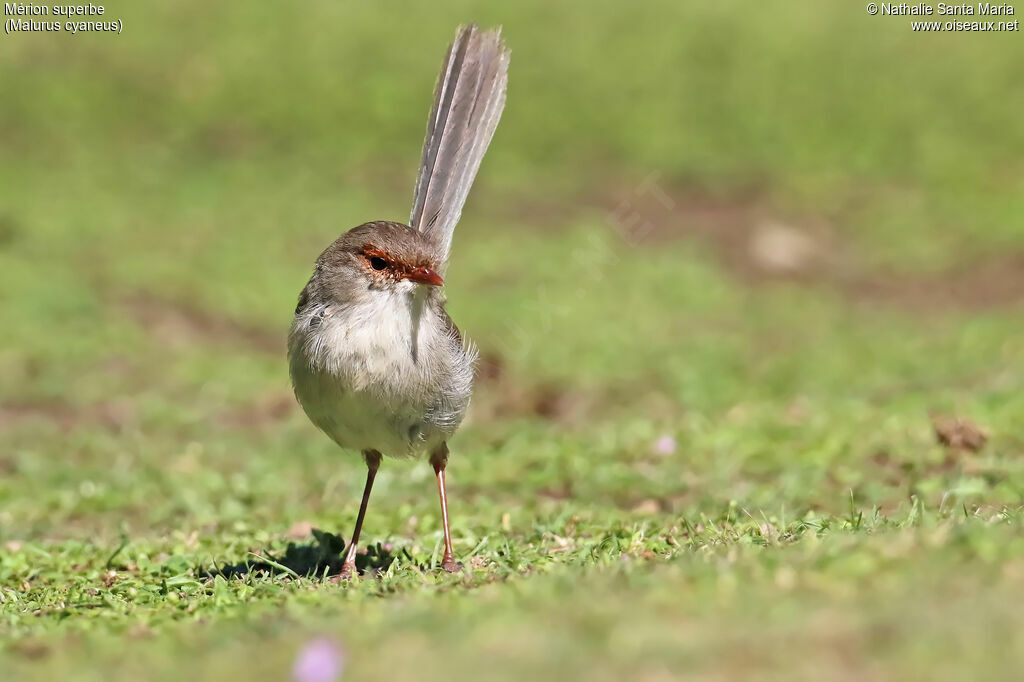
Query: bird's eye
x=378 y=263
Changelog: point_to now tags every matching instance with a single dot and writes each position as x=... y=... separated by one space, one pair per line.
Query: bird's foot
x=449 y=564
x=347 y=571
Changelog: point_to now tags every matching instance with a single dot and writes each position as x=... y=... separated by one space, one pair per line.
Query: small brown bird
x=376 y=362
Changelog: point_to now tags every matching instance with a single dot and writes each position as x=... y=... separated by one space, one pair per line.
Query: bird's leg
x=372 y=458
x=439 y=460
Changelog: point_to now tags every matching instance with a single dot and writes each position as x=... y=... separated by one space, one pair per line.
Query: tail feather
x=468 y=101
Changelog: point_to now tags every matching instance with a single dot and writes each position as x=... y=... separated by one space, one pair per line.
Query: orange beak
x=424 y=276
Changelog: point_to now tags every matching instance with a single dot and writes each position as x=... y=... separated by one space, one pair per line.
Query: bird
x=374 y=359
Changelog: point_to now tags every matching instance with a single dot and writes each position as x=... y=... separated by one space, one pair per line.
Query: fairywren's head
x=378 y=256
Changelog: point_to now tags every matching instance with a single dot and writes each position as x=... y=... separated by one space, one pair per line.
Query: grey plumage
x=468 y=102
x=375 y=360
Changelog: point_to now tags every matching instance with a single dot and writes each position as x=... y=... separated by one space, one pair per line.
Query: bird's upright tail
x=468 y=100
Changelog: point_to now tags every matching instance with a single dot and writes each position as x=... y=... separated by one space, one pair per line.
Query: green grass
x=165 y=192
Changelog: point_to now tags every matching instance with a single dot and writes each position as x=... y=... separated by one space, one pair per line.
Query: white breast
x=384 y=374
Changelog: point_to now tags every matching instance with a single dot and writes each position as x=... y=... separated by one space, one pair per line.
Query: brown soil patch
x=180 y=325
x=499 y=396
x=990 y=283
x=759 y=243
x=263 y=412
x=750 y=237
x=114 y=416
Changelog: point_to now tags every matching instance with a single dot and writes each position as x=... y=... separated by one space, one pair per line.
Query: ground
x=748 y=286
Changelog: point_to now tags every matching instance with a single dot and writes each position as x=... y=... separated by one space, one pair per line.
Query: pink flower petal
x=665 y=445
x=321 y=660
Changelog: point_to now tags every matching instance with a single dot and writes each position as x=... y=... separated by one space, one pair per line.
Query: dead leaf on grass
x=958 y=433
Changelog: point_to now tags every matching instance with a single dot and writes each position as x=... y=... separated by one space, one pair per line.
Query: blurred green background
x=726 y=265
